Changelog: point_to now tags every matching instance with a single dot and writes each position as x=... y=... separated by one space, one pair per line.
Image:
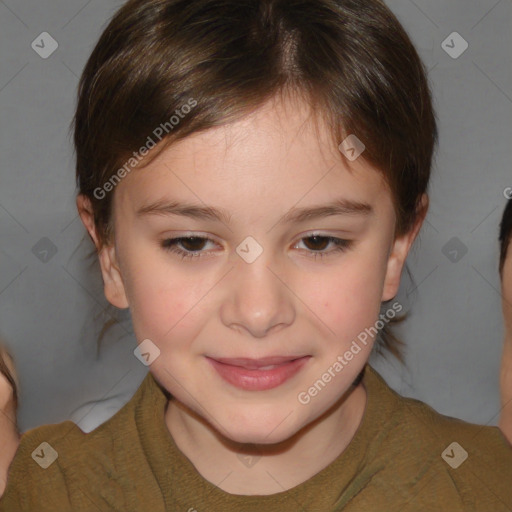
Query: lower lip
x=258 y=380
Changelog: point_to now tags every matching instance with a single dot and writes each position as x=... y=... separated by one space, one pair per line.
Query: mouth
x=258 y=374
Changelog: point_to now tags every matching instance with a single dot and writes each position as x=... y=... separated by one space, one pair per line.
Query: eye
x=192 y=246
x=320 y=241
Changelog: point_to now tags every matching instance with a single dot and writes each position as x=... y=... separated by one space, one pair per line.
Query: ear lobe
x=112 y=279
x=399 y=251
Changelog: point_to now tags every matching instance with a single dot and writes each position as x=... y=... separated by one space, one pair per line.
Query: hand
x=9 y=434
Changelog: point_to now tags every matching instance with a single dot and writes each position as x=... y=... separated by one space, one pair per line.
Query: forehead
x=279 y=155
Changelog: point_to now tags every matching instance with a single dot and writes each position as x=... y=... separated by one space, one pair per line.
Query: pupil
x=317 y=238
x=194 y=243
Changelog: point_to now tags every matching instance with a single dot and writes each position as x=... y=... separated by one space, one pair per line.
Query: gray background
x=52 y=304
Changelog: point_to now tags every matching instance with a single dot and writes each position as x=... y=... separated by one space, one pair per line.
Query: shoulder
x=474 y=460
x=80 y=468
x=471 y=463
x=487 y=443
x=417 y=420
x=59 y=467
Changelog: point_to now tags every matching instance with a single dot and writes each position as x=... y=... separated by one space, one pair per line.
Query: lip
x=255 y=374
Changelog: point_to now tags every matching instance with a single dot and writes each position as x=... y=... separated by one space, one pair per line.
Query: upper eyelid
x=209 y=239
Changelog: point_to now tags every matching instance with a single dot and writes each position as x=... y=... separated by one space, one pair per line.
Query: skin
x=9 y=438
x=286 y=302
x=506 y=361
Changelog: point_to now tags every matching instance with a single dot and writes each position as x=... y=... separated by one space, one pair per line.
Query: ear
x=400 y=250
x=112 y=278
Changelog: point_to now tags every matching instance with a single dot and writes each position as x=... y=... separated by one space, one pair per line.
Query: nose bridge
x=258 y=299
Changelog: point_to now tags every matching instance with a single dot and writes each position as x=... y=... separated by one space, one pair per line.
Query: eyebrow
x=294 y=215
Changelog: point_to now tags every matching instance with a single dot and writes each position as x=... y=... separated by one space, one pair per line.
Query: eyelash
x=170 y=245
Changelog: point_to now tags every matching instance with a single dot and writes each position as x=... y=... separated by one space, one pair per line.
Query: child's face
x=285 y=302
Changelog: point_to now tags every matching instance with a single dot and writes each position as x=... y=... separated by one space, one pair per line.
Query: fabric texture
x=402 y=458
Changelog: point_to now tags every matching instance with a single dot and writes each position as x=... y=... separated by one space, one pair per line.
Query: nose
x=258 y=299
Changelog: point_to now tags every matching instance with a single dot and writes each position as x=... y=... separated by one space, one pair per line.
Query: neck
x=266 y=469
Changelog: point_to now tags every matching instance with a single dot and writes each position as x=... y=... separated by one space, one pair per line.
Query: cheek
x=349 y=298
x=164 y=303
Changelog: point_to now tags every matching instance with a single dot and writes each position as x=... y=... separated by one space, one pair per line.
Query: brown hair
x=350 y=59
x=505 y=237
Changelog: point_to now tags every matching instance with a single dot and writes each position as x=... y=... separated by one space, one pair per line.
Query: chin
x=257 y=437
x=263 y=432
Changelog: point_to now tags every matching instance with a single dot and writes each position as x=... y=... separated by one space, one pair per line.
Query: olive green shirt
x=402 y=458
